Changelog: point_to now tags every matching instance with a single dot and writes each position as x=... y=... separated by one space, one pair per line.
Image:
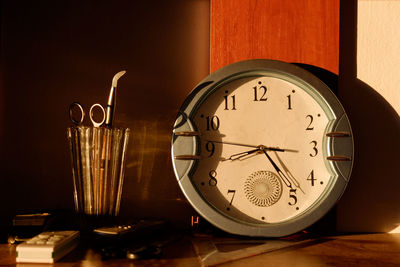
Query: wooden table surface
x=343 y=250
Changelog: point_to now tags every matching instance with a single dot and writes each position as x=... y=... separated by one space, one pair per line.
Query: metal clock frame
x=190 y=144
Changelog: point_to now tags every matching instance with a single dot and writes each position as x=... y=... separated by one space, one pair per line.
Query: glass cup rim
x=99 y=127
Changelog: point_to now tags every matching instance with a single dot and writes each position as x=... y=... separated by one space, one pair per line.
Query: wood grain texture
x=303 y=31
x=348 y=250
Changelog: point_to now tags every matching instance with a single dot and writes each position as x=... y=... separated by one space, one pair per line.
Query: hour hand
x=242 y=154
x=280 y=173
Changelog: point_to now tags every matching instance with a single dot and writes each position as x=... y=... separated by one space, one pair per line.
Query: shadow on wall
x=56 y=52
x=371 y=203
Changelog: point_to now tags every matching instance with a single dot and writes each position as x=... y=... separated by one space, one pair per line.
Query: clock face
x=262 y=148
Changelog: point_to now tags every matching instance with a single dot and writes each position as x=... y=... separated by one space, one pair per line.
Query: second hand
x=259 y=146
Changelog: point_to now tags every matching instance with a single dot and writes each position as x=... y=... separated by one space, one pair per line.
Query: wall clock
x=262 y=148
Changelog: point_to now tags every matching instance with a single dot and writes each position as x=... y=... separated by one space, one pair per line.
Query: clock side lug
x=342 y=147
x=184 y=144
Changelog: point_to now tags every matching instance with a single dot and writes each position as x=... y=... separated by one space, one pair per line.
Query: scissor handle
x=71 y=115
x=95 y=123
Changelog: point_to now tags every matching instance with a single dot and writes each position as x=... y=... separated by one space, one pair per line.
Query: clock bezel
x=252 y=68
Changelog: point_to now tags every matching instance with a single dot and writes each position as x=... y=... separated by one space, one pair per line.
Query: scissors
x=108 y=112
x=77 y=114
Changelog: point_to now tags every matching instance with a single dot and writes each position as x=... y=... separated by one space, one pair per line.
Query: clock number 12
x=263 y=90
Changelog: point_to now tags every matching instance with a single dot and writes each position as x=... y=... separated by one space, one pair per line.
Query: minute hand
x=280 y=173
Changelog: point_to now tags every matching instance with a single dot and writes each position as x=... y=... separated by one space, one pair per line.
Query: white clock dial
x=262 y=148
x=265 y=111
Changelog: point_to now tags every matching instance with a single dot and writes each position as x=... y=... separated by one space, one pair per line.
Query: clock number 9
x=210 y=147
x=212 y=181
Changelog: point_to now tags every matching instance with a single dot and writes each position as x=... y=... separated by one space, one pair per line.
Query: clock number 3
x=315 y=150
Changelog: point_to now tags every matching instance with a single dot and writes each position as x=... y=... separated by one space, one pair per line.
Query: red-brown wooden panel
x=304 y=31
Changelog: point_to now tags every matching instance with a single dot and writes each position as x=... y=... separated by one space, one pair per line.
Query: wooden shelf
x=344 y=250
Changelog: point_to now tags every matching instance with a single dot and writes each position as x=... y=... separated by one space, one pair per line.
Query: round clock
x=262 y=148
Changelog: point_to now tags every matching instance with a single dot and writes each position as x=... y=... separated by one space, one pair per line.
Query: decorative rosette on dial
x=263 y=188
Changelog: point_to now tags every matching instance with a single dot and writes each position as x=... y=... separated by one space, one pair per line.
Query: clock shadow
x=371 y=202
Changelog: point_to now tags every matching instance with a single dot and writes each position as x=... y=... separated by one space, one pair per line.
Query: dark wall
x=57 y=52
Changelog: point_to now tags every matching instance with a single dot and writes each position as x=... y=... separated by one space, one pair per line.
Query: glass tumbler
x=98 y=157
